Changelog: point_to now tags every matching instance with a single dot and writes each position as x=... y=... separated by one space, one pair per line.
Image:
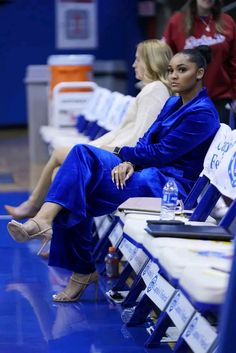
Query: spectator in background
x=150 y=65
x=203 y=22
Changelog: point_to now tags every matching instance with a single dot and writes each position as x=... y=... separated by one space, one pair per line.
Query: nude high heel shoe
x=76 y=286
x=24 y=210
x=39 y=231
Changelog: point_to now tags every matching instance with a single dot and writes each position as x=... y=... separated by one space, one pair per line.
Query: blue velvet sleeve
x=195 y=128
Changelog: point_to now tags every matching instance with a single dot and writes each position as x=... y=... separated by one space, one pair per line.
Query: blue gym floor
x=31 y=323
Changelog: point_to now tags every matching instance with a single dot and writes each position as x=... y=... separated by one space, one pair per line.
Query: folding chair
x=117 y=114
x=114 y=116
x=215 y=153
x=212 y=195
x=102 y=109
x=66 y=106
x=89 y=113
x=99 y=106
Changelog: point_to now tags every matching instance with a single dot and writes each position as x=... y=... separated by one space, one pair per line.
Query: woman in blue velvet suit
x=93 y=182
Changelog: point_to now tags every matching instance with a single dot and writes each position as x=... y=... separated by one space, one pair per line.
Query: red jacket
x=220 y=77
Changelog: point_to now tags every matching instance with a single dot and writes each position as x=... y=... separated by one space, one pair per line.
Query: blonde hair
x=155 y=55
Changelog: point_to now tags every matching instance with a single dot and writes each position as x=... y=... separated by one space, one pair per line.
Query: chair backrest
x=97 y=104
x=223 y=181
x=66 y=106
x=114 y=109
x=217 y=150
x=99 y=115
x=117 y=114
x=104 y=106
x=212 y=160
x=225 y=178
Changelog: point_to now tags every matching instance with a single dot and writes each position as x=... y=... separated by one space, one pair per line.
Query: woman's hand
x=121 y=173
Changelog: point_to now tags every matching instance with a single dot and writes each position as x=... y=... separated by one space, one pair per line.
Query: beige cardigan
x=139 y=117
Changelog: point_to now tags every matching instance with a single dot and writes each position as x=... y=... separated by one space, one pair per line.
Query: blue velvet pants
x=84 y=188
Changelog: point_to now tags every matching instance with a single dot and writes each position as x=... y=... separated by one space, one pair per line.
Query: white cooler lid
x=83 y=59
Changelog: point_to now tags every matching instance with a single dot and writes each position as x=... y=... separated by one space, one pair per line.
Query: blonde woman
x=150 y=66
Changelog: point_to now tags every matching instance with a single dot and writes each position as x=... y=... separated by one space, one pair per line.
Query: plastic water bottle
x=169 y=200
x=112 y=263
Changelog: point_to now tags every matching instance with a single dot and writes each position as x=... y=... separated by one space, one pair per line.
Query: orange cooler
x=70 y=68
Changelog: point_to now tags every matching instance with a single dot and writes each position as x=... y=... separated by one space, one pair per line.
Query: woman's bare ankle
x=48 y=212
x=43 y=220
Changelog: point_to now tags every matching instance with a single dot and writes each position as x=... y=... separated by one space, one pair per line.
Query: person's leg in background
x=30 y=207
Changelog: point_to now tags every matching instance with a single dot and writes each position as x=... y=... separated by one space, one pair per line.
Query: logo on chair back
x=147 y=268
x=232 y=170
x=174 y=302
x=191 y=326
x=152 y=283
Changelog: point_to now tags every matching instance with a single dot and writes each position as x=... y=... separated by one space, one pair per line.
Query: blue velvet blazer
x=178 y=140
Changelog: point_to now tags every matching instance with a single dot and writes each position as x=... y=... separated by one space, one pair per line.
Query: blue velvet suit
x=174 y=146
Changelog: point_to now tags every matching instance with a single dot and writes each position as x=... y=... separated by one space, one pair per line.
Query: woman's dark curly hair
x=190 y=11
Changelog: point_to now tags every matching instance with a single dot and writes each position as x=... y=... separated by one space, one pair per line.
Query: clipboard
x=144 y=205
x=201 y=232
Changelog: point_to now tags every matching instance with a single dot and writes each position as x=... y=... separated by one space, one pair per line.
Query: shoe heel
x=46 y=241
